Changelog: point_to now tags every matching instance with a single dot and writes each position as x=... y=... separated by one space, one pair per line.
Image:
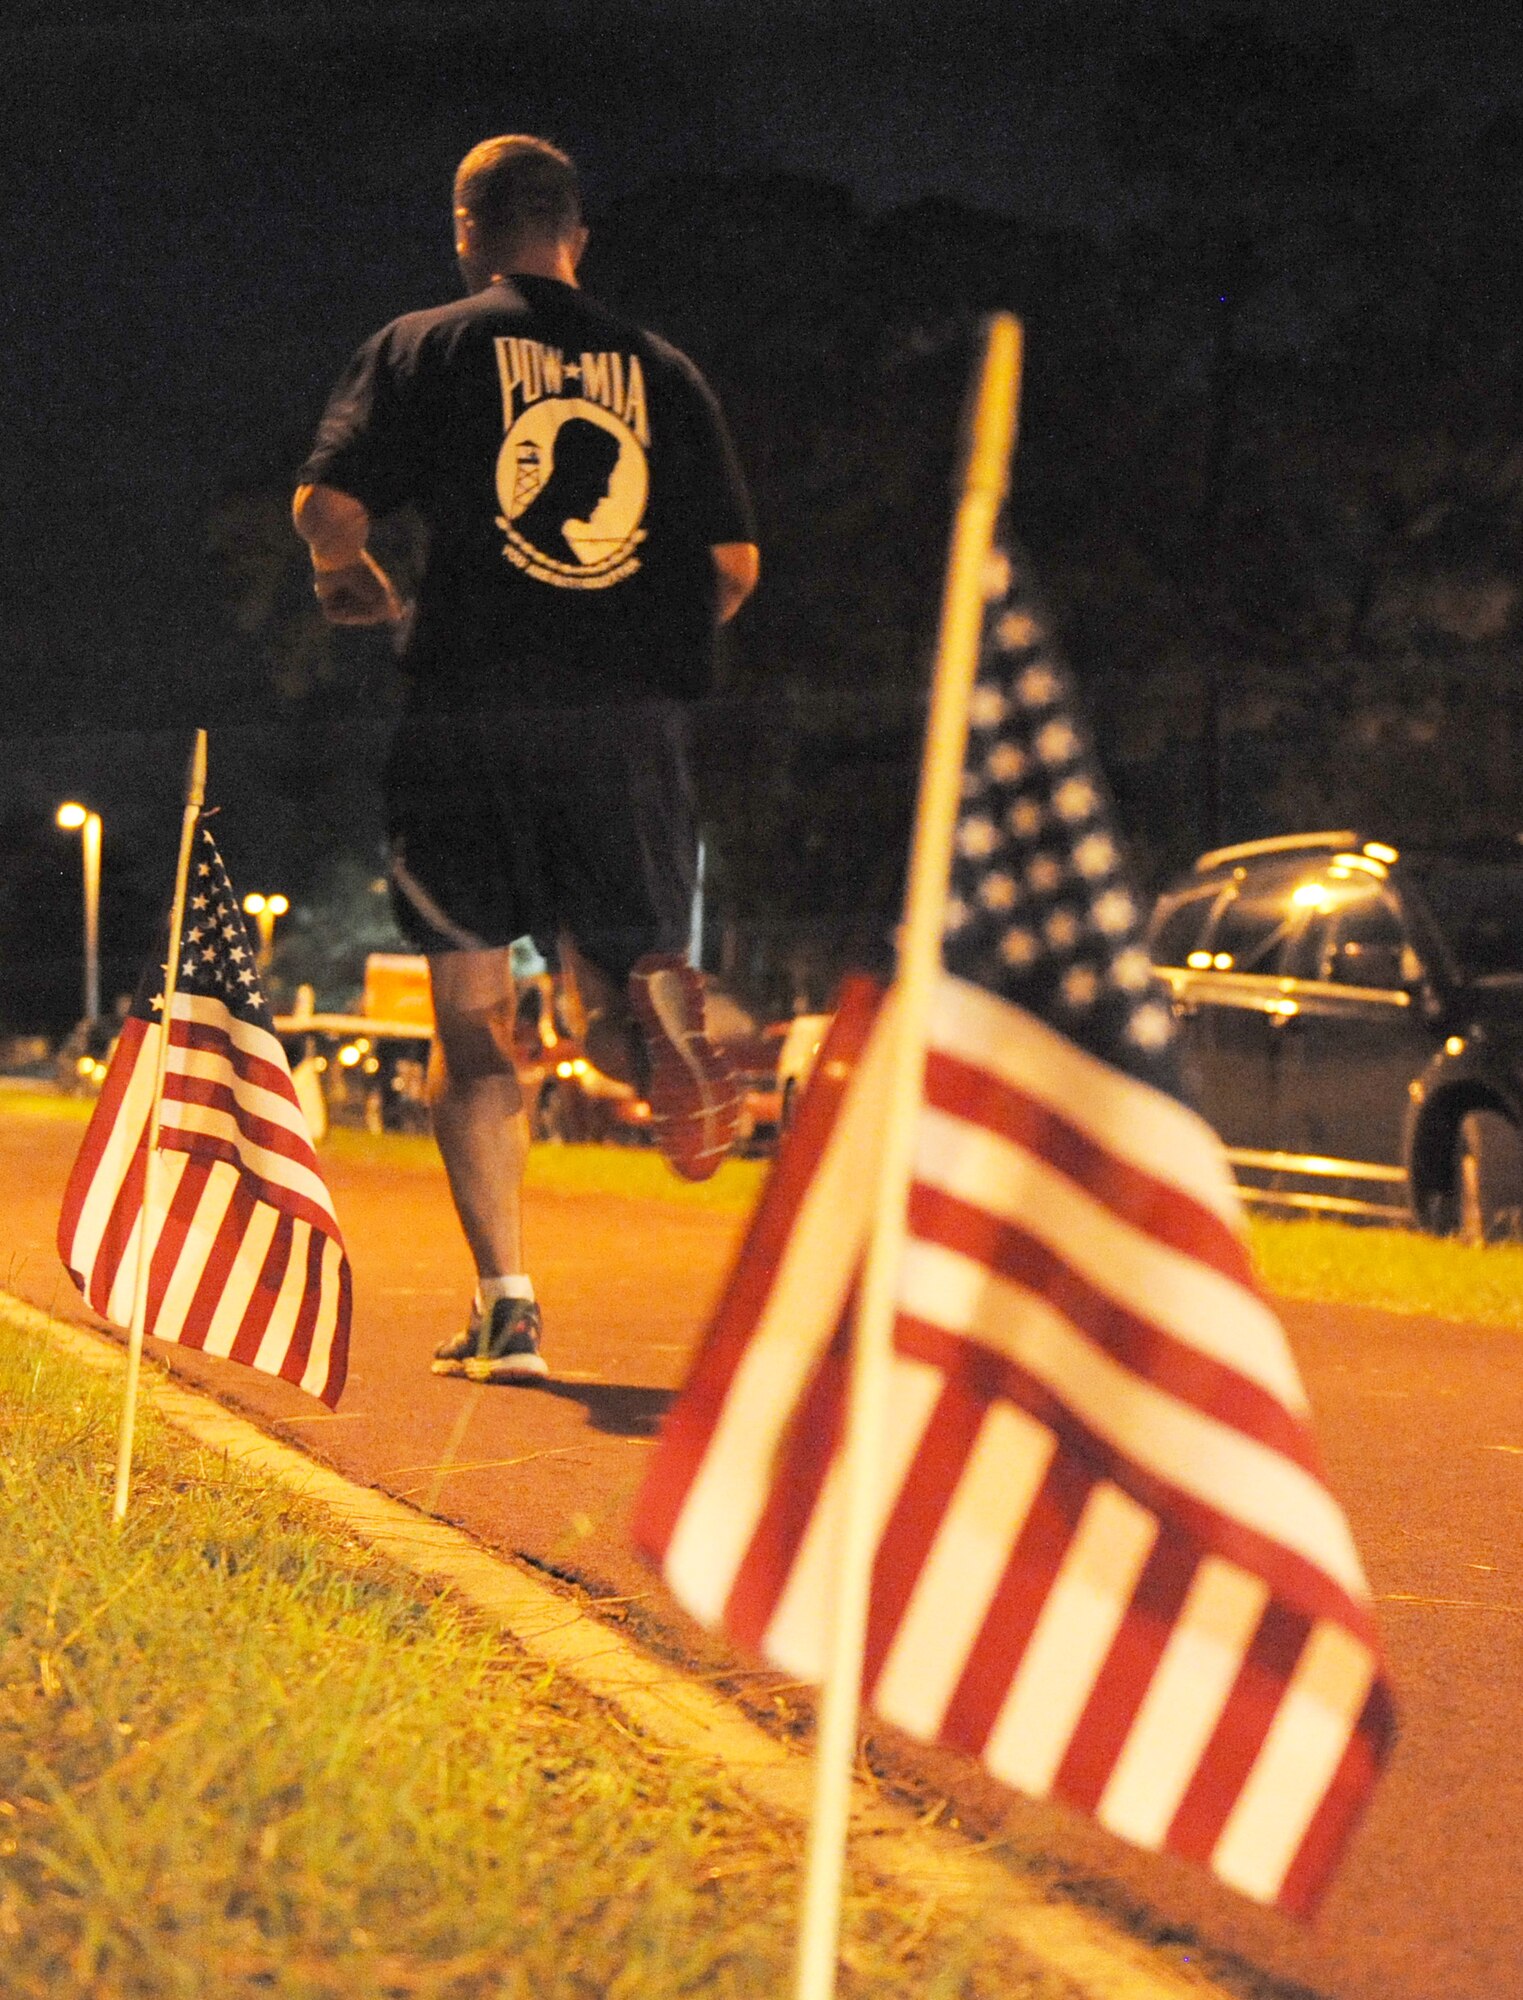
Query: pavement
x=1422 y=1429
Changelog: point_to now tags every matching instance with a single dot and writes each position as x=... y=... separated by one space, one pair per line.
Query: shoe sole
x=693 y=1096
x=510 y=1368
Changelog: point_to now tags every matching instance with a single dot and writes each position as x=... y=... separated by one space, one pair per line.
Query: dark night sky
x=206 y=206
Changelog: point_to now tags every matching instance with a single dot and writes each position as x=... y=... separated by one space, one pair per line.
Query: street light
x=70 y=816
x=264 y=910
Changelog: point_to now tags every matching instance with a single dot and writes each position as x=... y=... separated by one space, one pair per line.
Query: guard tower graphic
x=528 y=474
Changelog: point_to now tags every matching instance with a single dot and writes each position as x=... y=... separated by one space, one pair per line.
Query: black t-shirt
x=572 y=471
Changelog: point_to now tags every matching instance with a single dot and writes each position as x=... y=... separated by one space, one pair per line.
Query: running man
x=588 y=530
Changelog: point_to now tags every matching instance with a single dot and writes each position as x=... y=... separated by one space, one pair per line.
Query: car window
x=1365 y=944
x=1254 y=923
x=1179 y=922
x=1479 y=910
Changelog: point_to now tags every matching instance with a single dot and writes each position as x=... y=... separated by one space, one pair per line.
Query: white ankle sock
x=515 y=1285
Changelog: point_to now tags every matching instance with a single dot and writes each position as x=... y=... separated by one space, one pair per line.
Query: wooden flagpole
x=194 y=796
x=982 y=485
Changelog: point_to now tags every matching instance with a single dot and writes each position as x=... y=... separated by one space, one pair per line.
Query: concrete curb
x=925 y=1862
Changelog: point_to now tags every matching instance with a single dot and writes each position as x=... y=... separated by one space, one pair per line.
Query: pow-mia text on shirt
x=573 y=475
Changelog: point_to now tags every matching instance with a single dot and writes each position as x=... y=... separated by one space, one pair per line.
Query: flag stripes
x=800 y=1618
x=1205 y=1313
x=1096 y=1298
x=786 y=1296
x=1161 y=1744
x=1105 y=1560
x=998 y=1482
x=245 y=1257
x=1120 y=1687
x=1176 y=1220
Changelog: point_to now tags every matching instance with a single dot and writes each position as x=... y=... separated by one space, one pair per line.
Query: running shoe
x=502 y=1346
x=694 y=1098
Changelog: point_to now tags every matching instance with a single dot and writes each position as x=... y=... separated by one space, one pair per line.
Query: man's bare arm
x=351 y=586
x=737 y=565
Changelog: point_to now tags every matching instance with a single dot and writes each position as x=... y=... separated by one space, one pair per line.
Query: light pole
x=70 y=816
x=264 y=910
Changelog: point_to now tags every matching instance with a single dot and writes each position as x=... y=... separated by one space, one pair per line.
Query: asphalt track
x=1421 y=1425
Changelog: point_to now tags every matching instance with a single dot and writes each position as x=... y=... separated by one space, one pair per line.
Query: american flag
x=247 y=1261
x=1106 y=1562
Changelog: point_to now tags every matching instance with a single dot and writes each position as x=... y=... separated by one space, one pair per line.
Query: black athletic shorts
x=528 y=824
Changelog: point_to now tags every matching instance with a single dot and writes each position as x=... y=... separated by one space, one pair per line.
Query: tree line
x=1271 y=470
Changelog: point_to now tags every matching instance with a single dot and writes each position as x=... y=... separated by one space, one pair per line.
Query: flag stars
x=1132 y=970
x=1080 y=986
x=1151 y=1026
x=1043 y=874
x=1057 y=742
x=1014 y=631
x=977 y=837
x=1114 y=912
x=1075 y=799
x=1095 y=855
x=1042 y=910
x=987 y=707
x=1037 y=687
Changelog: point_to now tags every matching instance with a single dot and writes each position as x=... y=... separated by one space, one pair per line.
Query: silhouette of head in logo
x=585 y=456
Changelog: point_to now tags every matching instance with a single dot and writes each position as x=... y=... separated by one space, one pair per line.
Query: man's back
x=573 y=473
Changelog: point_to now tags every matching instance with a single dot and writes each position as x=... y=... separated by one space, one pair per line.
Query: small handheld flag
x=246 y=1259
x=1104 y=1559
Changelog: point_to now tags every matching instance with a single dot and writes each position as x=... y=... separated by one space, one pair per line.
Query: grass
x=635 y=1173
x=1396 y=1269
x=240 y=1756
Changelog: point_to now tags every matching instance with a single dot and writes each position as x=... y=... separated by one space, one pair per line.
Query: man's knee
x=474 y=1005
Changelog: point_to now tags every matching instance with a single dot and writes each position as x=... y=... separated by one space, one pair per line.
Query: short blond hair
x=518 y=189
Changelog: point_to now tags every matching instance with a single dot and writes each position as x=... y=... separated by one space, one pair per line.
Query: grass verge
x=633 y=1173
x=1395 y=1269
x=241 y=1755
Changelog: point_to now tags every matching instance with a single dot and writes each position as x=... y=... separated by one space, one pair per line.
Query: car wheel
x=1489 y=1177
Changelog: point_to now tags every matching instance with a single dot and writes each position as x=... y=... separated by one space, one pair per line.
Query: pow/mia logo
x=572 y=475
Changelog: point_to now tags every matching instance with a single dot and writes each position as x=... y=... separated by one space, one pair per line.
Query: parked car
x=1352 y=1018
x=802 y=1042
x=568 y=1098
x=82 y=1058
x=371 y=1068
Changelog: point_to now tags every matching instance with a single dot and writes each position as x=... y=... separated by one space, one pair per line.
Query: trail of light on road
x=1446 y=1603
x=448 y=1470
x=456 y=1439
